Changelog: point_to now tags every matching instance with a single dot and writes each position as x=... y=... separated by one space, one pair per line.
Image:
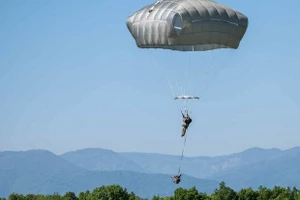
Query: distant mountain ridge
x=101 y=159
x=33 y=171
x=42 y=172
x=147 y=174
x=200 y=166
x=243 y=169
x=281 y=169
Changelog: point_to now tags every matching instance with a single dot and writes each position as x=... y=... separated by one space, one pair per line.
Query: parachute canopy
x=185 y=97
x=187 y=25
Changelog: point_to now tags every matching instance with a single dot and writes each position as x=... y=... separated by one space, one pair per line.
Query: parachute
x=187 y=26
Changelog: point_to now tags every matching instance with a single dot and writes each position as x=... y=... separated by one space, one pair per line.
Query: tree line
x=116 y=192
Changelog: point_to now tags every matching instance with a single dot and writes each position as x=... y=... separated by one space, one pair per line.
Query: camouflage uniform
x=186 y=122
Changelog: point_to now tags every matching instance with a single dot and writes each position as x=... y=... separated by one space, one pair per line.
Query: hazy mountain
x=39 y=171
x=43 y=172
x=282 y=169
x=101 y=159
x=34 y=171
x=250 y=168
x=201 y=167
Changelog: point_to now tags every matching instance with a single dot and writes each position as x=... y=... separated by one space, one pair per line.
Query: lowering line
x=182 y=153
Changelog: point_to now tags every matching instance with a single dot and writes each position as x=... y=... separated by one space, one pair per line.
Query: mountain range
x=146 y=174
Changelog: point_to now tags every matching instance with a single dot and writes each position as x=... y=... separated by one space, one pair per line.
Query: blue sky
x=71 y=77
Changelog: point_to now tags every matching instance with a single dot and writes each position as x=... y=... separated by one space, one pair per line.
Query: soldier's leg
x=183 y=131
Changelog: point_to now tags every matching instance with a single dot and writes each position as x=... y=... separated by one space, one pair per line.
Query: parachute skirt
x=185 y=97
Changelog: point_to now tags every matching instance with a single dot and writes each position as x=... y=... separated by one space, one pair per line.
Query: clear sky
x=71 y=77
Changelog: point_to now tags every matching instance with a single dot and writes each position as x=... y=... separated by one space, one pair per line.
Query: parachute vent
x=177 y=24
